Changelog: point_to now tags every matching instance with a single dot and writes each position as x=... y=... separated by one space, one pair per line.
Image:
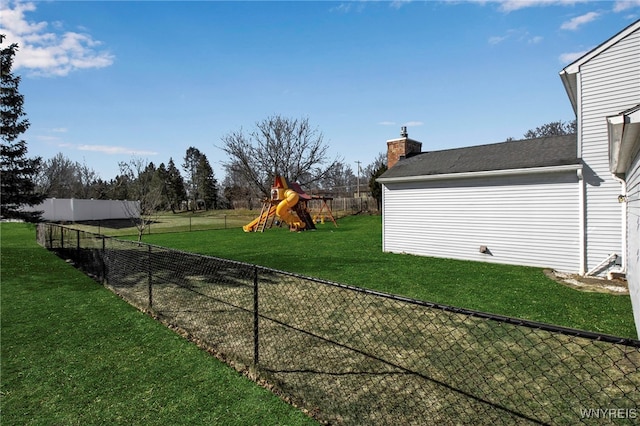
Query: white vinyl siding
x=633 y=237
x=609 y=83
x=523 y=220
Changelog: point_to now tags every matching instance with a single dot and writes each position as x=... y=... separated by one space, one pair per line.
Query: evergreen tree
x=207 y=183
x=176 y=192
x=374 y=171
x=18 y=171
x=375 y=187
x=201 y=182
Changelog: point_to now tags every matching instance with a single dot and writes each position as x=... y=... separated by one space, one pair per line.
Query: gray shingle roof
x=527 y=153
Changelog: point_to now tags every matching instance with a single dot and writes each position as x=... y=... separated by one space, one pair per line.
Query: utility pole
x=358 y=163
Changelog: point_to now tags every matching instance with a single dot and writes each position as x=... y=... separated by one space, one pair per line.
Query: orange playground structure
x=288 y=202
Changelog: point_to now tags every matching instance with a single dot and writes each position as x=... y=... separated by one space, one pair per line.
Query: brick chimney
x=398 y=149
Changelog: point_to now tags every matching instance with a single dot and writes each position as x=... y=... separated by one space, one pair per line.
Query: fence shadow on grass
x=354 y=356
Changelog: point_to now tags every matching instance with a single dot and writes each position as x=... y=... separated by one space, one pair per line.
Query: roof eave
x=569 y=73
x=570 y=83
x=485 y=173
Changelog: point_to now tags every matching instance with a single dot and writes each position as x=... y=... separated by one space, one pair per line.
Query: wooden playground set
x=289 y=205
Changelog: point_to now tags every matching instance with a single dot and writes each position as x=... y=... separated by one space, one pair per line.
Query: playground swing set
x=288 y=203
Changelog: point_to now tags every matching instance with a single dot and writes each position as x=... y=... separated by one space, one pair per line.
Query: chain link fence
x=352 y=356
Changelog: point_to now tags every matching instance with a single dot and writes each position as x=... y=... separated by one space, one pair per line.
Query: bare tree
x=62 y=178
x=57 y=177
x=340 y=180
x=238 y=192
x=88 y=180
x=278 y=146
x=555 y=128
x=144 y=188
x=190 y=166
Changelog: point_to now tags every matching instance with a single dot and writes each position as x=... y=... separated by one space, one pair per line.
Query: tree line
x=288 y=147
x=61 y=177
x=193 y=186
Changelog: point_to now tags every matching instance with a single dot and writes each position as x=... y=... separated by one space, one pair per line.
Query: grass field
x=352 y=254
x=73 y=353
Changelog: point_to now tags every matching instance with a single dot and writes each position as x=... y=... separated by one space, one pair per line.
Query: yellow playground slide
x=249 y=227
x=290 y=199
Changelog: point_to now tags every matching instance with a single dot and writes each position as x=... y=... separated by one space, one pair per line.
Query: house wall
x=633 y=237
x=608 y=84
x=523 y=220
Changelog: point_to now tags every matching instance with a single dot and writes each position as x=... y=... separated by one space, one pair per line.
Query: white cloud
x=519 y=35
x=407 y=124
x=115 y=150
x=497 y=39
x=59 y=130
x=413 y=123
x=578 y=21
x=346 y=7
x=47 y=53
x=397 y=4
x=512 y=5
x=622 y=5
x=47 y=138
x=567 y=58
x=341 y=8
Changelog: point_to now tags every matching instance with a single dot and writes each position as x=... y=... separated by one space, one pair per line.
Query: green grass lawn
x=352 y=254
x=73 y=353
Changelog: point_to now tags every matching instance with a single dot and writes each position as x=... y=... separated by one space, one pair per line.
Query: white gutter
x=487 y=173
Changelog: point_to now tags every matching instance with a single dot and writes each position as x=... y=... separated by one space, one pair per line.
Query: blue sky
x=106 y=81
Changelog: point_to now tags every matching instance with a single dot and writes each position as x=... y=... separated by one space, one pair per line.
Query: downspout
x=384 y=217
x=577 y=108
x=582 y=223
x=623 y=200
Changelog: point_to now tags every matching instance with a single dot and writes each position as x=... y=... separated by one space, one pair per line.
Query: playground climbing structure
x=287 y=204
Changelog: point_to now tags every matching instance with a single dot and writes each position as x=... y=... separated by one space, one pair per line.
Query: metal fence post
x=150 y=280
x=256 y=342
x=78 y=240
x=104 y=263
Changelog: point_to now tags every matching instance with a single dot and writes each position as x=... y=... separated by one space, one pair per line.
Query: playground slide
x=290 y=199
x=249 y=227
